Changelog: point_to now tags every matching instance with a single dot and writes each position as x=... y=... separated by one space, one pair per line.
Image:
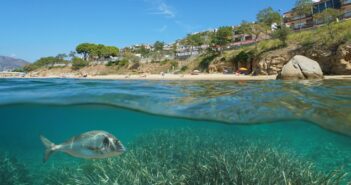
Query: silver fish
x=90 y=145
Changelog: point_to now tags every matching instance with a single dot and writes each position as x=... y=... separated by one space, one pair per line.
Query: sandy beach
x=184 y=77
x=216 y=77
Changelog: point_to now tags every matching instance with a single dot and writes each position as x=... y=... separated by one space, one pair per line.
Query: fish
x=89 y=145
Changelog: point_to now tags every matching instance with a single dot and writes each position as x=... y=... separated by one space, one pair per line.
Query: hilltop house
x=296 y=22
x=346 y=9
x=186 y=51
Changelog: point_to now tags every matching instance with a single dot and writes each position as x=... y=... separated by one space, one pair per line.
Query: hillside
x=329 y=45
x=10 y=63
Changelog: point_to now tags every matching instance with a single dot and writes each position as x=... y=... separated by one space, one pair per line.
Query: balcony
x=347 y=15
x=346 y=2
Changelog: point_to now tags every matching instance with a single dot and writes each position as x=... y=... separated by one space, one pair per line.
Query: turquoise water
x=167 y=126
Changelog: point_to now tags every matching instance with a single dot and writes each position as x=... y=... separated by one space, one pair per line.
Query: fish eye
x=106 y=141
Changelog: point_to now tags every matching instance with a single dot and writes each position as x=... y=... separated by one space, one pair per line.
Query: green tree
x=268 y=16
x=254 y=29
x=96 y=51
x=107 y=51
x=72 y=54
x=86 y=49
x=328 y=16
x=159 y=45
x=282 y=34
x=223 y=36
x=78 y=63
x=144 y=51
x=195 y=40
x=61 y=56
x=303 y=8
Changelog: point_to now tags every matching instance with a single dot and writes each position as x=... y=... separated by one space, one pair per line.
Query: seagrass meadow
x=178 y=132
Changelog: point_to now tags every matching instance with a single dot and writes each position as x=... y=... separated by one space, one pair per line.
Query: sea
x=179 y=132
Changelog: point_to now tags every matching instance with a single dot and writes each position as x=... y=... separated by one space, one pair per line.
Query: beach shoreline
x=183 y=77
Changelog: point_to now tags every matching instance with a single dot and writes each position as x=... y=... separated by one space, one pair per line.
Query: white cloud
x=166 y=10
x=187 y=27
x=163 y=29
x=161 y=8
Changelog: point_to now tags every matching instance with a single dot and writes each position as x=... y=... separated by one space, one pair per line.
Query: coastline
x=181 y=77
x=187 y=77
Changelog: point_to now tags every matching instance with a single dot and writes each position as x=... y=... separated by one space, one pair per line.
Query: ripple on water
x=326 y=103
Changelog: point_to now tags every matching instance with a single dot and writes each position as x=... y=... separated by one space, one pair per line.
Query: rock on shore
x=301 y=68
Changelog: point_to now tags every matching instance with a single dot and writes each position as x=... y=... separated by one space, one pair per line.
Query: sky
x=31 y=29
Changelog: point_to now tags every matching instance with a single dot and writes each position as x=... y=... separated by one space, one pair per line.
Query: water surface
x=309 y=120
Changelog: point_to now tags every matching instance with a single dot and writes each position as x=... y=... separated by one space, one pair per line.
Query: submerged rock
x=301 y=68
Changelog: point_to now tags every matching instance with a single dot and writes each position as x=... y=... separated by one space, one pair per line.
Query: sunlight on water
x=179 y=150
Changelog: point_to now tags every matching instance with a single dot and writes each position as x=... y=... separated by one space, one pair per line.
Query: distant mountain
x=9 y=63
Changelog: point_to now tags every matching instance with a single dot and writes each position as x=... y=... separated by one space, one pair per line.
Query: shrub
x=78 y=63
x=112 y=63
x=164 y=62
x=119 y=63
x=44 y=62
x=282 y=34
x=184 y=68
x=123 y=62
x=245 y=56
x=18 y=70
x=174 y=64
x=268 y=45
x=206 y=61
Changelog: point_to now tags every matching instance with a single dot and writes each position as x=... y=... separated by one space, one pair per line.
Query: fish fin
x=49 y=148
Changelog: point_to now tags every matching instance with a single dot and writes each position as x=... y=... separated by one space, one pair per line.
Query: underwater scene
x=177 y=132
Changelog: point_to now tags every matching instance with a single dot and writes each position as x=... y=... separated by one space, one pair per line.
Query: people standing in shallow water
x=89 y=145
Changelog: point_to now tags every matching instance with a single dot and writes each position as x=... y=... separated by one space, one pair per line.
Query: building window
x=248 y=37
x=347 y=14
x=299 y=25
x=321 y=7
x=238 y=39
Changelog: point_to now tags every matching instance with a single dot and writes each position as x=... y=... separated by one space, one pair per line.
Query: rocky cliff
x=335 y=61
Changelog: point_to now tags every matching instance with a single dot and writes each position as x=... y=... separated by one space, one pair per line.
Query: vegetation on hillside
x=96 y=51
x=329 y=36
x=78 y=63
x=223 y=36
x=45 y=62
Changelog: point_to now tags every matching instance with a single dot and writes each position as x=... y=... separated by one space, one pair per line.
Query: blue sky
x=31 y=29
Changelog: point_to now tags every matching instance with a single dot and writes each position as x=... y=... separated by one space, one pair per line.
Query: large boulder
x=301 y=68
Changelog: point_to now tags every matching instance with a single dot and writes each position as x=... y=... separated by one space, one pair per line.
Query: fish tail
x=49 y=148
